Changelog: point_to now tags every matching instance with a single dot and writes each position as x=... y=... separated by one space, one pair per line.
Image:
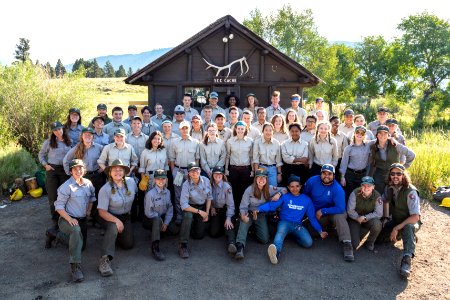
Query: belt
x=78 y=219
x=149 y=172
x=92 y=172
x=357 y=171
x=122 y=217
x=240 y=167
x=274 y=165
x=198 y=206
x=183 y=168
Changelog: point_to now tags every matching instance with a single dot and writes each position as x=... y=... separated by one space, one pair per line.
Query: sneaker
x=405 y=266
x=105 y=266
x=50 y=237
x=157 y=254
x=183 y=250
x=370 y=245
x=77 y=274
x=348 y=251
x=272 y=251
x=232 y=248
x=239 y=251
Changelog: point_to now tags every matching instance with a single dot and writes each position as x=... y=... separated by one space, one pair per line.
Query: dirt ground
x=28 y=271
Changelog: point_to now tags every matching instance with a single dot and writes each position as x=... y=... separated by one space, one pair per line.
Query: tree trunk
x=369 y=101
x=423 y=108
x=330 y=108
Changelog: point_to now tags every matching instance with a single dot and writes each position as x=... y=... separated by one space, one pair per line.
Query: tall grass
x=432 y=164
x=15 y=161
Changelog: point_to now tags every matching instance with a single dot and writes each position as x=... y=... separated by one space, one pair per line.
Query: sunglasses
x=361 y=132
x=396 y=173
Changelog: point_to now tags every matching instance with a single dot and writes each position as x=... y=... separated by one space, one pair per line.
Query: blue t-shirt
x=329 y=198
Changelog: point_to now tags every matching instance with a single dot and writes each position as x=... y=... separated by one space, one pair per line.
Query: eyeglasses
x=396 y=173
x=310 y=121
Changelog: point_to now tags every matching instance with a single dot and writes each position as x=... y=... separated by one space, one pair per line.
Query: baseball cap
x=132 y=107
x=241 y=123
x=218 y=170
x=383 y=109
x=179 y=109
x=74 y=110
x=293 y=178
x=328 y=168
x=192 y=165
x=166 y=122
x=196 y=117
x=120 y=131
x=87 y=129
x=261 y=172
x=319 y=99
x=185 y=124
x=349 y=112
x=136 y=118
x=76 y=163
x=391 y=121
x=250 y=94
x=382 y=128
x=220 y=115
x=361 y=128
x=101 y=106
x=367 y=180
x=397 y=166
x=160 y=174
x=96 y=118
x=213 y=95
x=56 y=125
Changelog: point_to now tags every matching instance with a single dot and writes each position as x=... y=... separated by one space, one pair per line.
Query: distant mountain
x=134 y=61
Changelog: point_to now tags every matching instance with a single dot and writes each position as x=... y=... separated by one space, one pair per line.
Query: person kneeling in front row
x=157 y=206
x=293 y=208
x=364 y=209
x=195 y=201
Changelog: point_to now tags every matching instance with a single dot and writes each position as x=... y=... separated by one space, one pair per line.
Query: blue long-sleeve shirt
x=329 y=198
x=293 y=209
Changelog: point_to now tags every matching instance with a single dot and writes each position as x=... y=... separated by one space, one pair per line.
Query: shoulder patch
x=412 y=196
x=229 y=191
x=275 y=188
x=379 y=201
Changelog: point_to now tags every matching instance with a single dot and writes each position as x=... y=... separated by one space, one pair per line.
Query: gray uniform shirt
x=239 y=151
x=250 y=202
x=355 y=157
x=212 y=155
x=148 y=128
x=118 y=203
x=75 y=198
x=101 y=139
x=323 y=151
x=74 y=134
x=157 y=204
x=196 y=194
x=271 y=111
x=267 y=153
x=351 y=206
x=110 y=128
x=184 y=151
x=138 y=142
x=111 y=152
x=223 y=195
x=54 y=156
x=341 y=141
x=152 y=160
x=225 y=134
x=158 y=120
x=291 y=150
x=90 y=158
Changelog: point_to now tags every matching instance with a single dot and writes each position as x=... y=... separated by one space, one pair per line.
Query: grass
x=15 y=161
x=431 y=168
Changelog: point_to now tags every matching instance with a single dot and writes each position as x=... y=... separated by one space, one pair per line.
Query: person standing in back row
x=275 y=107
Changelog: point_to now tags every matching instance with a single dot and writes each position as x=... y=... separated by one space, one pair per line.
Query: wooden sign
x=224 y=80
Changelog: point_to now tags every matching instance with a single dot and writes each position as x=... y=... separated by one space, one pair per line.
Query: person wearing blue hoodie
x=294 y=206
x=328 y=198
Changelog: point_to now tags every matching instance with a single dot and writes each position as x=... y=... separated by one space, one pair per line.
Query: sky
x=68 y=30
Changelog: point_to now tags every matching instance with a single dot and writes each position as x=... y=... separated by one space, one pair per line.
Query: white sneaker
x=272 y=251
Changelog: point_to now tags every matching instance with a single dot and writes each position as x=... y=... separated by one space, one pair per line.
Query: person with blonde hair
x=322 y=149
x=280 y=132
x=212 y=150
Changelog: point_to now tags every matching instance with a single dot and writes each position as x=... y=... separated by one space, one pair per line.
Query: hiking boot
x=370 y=245
x=405 y=266
x=183 y=250
x=232 y=248
x=77 y=274
x=348 y=251
x=50 y=237
x=272 y=251
x=157 y=254
x=105 y=266
x=239 y=251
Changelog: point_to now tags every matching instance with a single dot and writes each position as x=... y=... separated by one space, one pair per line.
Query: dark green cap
x=261 y=172
x=87 y=129
x=56 y=125
x=132 y=107
x=120 y=131
x=218 y=170
x=362 y=128
x=117 y=163
x=293 y=178
x=250 y=94
x=382 y=128
x=160 y=174
x=74 y=110
x=101 y=106
x=192 y=166
x=76 y=163
x=391 y=121
x=383 y=109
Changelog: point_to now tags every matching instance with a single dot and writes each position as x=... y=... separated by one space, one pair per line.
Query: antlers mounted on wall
x=241 y=61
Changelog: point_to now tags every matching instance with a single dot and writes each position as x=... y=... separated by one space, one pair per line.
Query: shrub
x=30 y=101
x=14 y=162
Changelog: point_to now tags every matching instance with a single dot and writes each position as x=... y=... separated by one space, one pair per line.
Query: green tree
x=121 y=72
x=130 y=72
x=108 y=70
x=93 y=70
x=22 y=52
x=60 y=70
x=50 y=70
x=425 y=51
x=373 y=57
x=78 y=63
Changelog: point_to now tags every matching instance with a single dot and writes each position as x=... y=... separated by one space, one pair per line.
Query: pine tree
x=60 y=70
x=22 y=52
x=121 y=72
x=49 y=69
x=109 y=70
x=130 y=72
x=78 y=63
x=93 y=70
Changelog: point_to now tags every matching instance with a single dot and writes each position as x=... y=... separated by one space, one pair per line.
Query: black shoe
x=405 y=266
x=77 y=274
x=240 y=251
x=157 y=254
x=51 y=236
x=348 y=252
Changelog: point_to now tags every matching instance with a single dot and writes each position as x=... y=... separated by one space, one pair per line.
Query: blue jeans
x=272 y=175
x=302 y=236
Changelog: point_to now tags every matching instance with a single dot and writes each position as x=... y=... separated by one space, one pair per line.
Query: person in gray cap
x=118 y=150
x=158 y=212
x=222 y=210
x=294 y=206
x=74 y=204
x=384 y=152
x=73 y=125
x=256 y=194
x=132 y=112
x=114 y=205
x=401 y=214
x=382 y=116
x=195 y=200
x=348 y=127
x=51 y=157
x=178 y=117
x=213 y=100
x=328 y=199
x=364 y=209
x=110 y=129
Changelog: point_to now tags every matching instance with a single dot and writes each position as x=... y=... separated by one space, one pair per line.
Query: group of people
x=219 y=173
